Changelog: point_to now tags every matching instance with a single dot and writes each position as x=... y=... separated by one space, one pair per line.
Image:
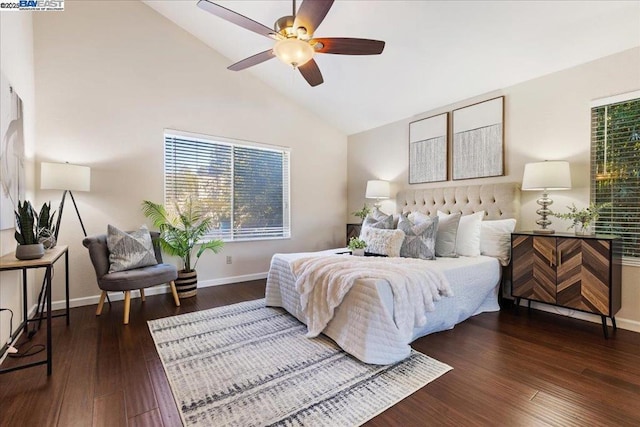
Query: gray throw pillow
x=378 y=219
x=447 y=234
x=129 y=250
x=420 y=239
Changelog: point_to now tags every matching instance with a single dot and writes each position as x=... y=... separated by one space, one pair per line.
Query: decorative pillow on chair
x=420 y=239
x=378 y=219
x=495 y=239
x=129 y=250
x=383 y=242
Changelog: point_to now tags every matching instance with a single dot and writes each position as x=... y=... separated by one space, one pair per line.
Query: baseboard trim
x=156 y=290
x=622 y=323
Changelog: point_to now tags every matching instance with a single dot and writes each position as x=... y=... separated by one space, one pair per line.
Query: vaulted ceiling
x=436 y=53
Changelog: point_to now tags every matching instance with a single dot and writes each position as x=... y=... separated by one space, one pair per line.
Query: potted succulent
x=362 y=213
x=582 y=218
x=46 y=228
x=180 y=232
x=27 y=232
x=357 y=246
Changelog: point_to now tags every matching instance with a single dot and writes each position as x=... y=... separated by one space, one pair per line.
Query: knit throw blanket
x=323 y=282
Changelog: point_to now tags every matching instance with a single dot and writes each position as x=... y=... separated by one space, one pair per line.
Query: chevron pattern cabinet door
x=583 y=274
x=534 y=270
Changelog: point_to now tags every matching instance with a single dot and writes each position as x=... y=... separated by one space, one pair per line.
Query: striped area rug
x=250 y=365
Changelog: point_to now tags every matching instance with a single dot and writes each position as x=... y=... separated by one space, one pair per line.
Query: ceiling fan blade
x=311 y=73
x=349 y=46
x=252 y=60
x=236 y=18
x=311 y=14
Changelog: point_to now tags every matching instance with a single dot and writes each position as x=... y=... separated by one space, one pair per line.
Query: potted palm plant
x=27 y=232
x=180 y=232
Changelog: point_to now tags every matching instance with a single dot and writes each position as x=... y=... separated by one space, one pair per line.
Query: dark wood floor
x=531 y=368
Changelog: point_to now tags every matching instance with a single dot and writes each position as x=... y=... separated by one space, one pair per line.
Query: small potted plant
x=362 y=213
x=180 y=232
x=27 y=232
x=357 y=246
x=582 y=218
x=46 y=228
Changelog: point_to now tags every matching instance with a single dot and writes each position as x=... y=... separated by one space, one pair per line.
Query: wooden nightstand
x=577 y=272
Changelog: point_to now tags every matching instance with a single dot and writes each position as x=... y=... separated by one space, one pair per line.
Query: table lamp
x=546 y=176
x=378 y=190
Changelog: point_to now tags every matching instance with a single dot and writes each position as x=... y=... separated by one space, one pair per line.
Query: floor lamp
x=66 y=177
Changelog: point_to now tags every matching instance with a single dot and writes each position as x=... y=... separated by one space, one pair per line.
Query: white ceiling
x=436 y=53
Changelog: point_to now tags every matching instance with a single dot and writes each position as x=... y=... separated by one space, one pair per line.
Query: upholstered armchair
x=128 y=280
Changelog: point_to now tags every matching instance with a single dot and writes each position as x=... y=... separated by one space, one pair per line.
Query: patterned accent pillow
x=378 y=219
x=383 y=242
x=129 y=250
x=447 y=232
x=420 y=239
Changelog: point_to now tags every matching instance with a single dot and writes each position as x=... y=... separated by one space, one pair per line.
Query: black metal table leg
x=604 y=327
x=66 y=281
x=24 y=302
x=613 y=322
x=49 y=350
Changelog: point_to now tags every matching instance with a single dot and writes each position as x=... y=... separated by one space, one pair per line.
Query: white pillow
x=468 y=237
x=495 y=239
x=382 y=242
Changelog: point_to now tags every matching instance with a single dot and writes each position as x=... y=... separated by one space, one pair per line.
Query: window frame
x=598 y=103
x=231 y=142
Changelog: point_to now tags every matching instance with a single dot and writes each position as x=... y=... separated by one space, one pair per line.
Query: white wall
x=546 y=118
x=110 y=76
x=16 y=62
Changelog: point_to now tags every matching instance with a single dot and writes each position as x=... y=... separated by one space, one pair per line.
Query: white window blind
x=244 y=187
x=615 y=169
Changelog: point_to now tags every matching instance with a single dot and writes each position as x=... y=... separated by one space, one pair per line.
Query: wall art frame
x=12 y=154
x=429 y=149
x=477 y=147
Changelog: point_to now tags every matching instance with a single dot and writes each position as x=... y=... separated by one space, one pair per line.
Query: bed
x=364 y=324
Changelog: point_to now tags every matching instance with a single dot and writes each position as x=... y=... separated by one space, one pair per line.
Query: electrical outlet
x=229 y=260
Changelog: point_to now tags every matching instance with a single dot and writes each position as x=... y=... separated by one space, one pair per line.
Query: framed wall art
x=478 y=140
x=12 y=174
x=428 y=149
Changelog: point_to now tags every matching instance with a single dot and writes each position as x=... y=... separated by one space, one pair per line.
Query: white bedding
x=363 y=324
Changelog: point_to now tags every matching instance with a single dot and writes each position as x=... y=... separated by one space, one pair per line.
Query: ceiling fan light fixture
x=293 y=52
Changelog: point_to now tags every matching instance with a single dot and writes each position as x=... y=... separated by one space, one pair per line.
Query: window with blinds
x=615 y=169
x=244 y=187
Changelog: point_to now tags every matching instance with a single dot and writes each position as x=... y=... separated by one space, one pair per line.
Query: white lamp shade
x=378 y=189
x=549 y=175
x=63 y=176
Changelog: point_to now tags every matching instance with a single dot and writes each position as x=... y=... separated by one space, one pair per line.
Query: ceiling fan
x=295 y=44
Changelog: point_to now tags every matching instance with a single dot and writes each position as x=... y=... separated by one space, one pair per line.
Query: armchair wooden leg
x=175 y=293
x=142 y=295
x=101 y=303
x=127 y=306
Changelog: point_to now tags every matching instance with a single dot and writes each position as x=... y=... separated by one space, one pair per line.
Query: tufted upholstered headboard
x=499 y=201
